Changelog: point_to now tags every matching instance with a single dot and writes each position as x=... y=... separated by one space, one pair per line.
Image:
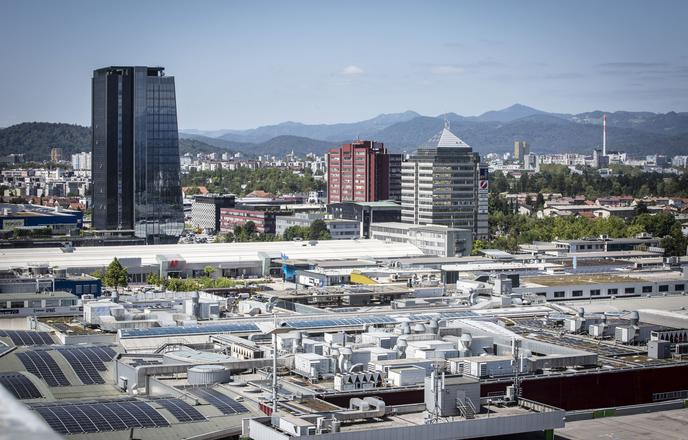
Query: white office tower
x=443 y=183
x=81 y=161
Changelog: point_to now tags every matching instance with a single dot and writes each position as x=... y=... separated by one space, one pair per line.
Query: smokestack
x=604 y=135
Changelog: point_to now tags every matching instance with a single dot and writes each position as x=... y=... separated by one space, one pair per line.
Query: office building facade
x=366 y=213
x=358 y=172
x=395 y=161
x=135 y=160
x=434 y=240
x=521 y=150
x=443 y=183
x=205 y=210
x=239 y=216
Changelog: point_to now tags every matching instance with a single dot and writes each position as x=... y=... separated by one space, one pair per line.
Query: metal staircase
x=466 y=408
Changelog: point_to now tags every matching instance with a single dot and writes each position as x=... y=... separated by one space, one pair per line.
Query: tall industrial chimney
x=604 y=135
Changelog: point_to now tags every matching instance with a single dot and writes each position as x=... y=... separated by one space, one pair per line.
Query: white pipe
x=274 y=373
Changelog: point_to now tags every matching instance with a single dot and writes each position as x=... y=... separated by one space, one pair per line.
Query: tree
x=116 y=275
x=478 y=245
x=209 y=271
x=641 y=208
x=250 y=228
x=154 y=279
x=318 y=231
x=293 y=232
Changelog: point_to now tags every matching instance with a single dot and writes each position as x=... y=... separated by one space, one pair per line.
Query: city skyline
x=316 y=63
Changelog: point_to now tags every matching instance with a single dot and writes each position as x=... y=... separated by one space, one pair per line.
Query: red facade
x=231 y=217
x=358 y=172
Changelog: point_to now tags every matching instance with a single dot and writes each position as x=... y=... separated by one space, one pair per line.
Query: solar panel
x=105 y=354
x=25 y=337
x=224 y=403
x=181 y=410
x=100 y=416
x=20 y=386
x=85 y=363
x=246 y=327
x=136 y=362
x=42 y=365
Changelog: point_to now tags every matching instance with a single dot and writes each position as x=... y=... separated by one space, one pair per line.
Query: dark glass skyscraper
x=135 y=163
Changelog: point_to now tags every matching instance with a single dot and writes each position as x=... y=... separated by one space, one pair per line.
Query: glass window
x=612 y=291
x=679 y=287
x=577 y=293
x=629 y=290
x=595 y=292
x=664 y=288
x=559 y=294
x=647 y=289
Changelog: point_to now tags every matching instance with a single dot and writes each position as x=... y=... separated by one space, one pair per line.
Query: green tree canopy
x=115 y=275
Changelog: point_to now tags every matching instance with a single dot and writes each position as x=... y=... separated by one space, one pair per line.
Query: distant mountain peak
x=511 y=113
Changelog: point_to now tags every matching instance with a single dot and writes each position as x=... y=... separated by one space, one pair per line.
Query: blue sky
x=244 y=64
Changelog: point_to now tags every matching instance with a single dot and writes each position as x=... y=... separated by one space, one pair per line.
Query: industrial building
x=348 y=339
x=27 y=217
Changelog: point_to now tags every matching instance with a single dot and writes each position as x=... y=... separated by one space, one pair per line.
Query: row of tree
x=242 y=181
x=625 y=180
x=248 y=233
x=116 y=276
x=510 y=229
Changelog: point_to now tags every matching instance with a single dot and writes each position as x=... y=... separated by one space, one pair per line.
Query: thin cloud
x=447 y=70
x=352 y=71
x=631 y=65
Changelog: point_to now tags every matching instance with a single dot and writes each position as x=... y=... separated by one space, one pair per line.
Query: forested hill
x=35 y=139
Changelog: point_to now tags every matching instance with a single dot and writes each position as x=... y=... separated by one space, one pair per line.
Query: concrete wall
x=463 y=429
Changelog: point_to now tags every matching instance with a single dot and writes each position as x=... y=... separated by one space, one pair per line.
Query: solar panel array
x=105 y=354
x=137 y=362
x=339 y=322
x=40 y=363
x=224 y=403
x=20 y=386
x=305 y=323
x=100 y=416
x=26 y=337
x=181 y=410
x=247 y=327
x=86 y=362
x=445 y=315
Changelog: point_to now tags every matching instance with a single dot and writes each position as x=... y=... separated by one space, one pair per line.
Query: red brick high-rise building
x=358 y=172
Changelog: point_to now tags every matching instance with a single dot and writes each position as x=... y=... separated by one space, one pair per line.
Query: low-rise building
x=436 y=240
x=232 y=217
x=205 y=210
x=29 y=216
x=366 y=213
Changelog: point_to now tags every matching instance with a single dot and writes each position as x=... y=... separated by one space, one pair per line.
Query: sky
x=239 y=65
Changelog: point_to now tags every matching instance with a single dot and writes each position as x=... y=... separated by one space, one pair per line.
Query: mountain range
x=494 y=131
x=638 y=133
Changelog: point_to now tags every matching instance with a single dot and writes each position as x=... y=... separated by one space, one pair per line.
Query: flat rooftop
x=100 y=256
x=567 y=280
x=669 y=425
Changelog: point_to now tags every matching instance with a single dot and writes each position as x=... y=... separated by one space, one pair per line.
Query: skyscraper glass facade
x=136 y=182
